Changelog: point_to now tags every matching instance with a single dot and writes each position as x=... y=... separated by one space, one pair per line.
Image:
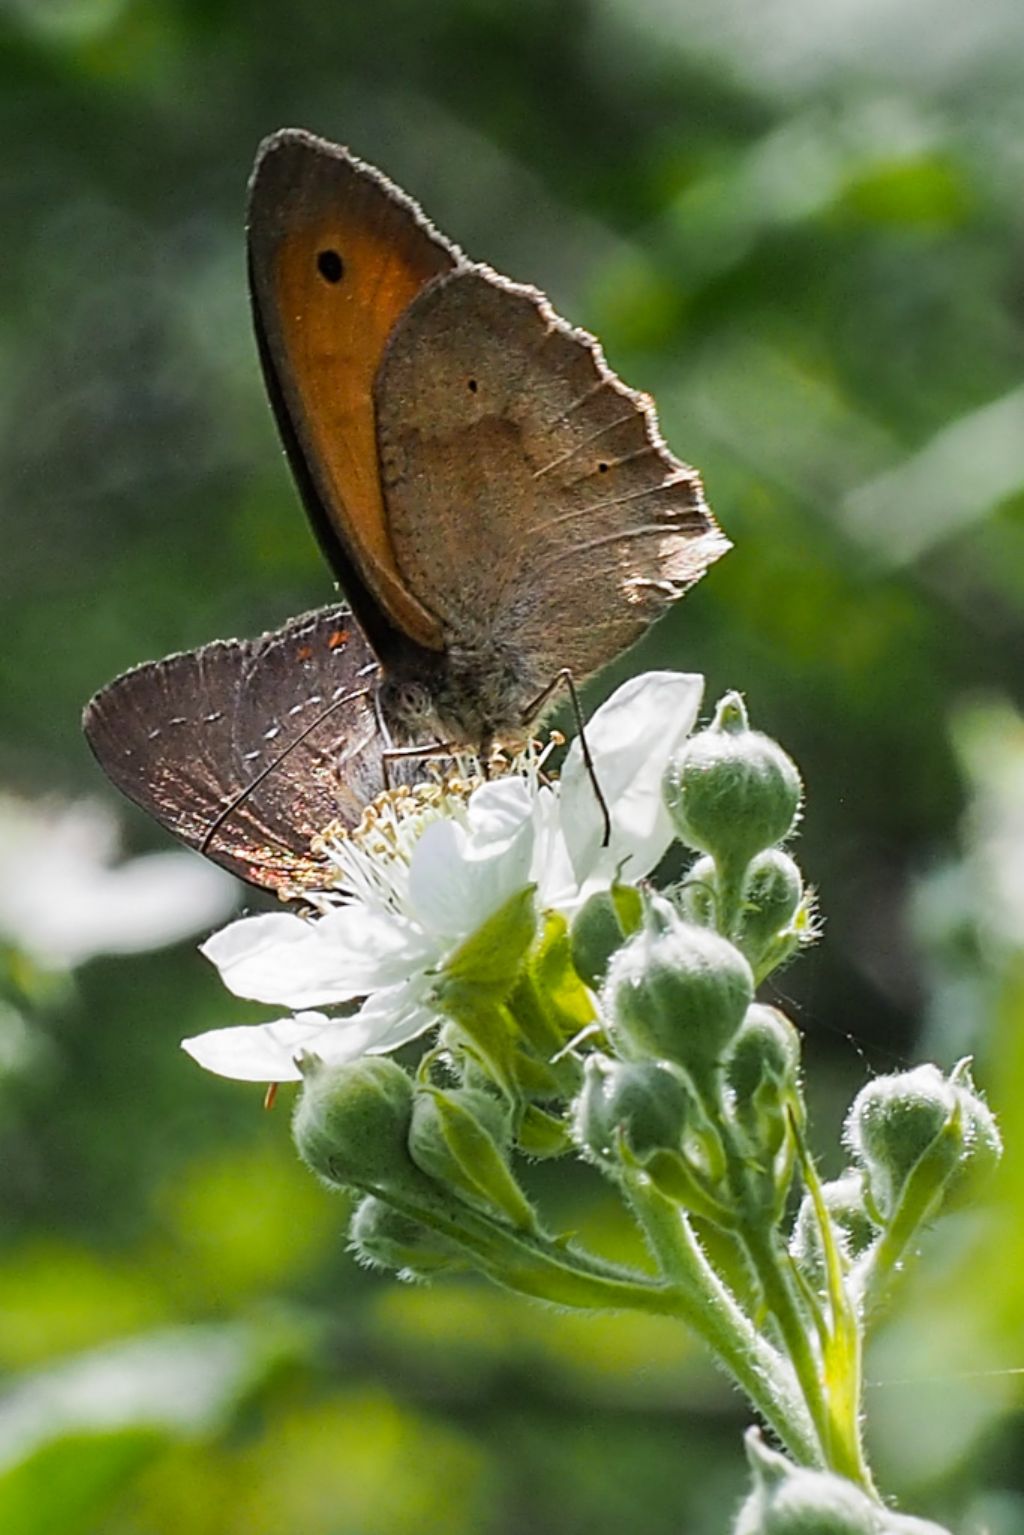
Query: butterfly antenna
x=233 y=803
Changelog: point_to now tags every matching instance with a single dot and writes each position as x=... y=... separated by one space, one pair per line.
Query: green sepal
x=924 y=1191
x=542 y=1134
x=351 y=1124
x=673 y=1176
x=489 y=962
x=449 y=1141
x=550 y=1001
x=484 y=1033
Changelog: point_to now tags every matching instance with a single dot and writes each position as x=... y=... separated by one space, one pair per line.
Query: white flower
x=64 y=897
x=427 y=869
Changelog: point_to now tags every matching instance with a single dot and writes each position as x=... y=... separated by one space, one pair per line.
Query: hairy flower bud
x=731 y=791
x=676 y=992
x=845 y=1201
x=793 y=1500
x=351 y=1124
x=897 y=1122
x=458 y=1138
x=601 y=926
x=383 y=1238
x=762 y=1069
x=766 y=1050
x=698 y=894
x=648 y=1102
x=772 y=891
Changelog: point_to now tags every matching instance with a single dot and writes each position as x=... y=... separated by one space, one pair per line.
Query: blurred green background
x=800 y=226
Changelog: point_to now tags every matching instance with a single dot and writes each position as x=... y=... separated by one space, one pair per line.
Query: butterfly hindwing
x=532 y=503
x=184 y=737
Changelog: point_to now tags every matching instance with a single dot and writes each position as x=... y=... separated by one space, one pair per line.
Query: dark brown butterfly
x=497 y=505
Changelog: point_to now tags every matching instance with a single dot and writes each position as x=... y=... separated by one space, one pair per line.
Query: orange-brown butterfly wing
x=532 y=502
x=336 y=256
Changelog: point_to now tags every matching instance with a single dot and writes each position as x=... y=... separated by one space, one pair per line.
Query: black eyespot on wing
x=472 y=385
x=330 y=266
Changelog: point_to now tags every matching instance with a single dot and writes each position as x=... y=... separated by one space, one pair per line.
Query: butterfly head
x=463 y=697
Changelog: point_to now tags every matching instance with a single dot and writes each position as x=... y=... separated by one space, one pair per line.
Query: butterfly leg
x=564 y=678
x=402 y=753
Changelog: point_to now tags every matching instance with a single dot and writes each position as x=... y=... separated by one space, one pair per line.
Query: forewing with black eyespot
x=188 y=736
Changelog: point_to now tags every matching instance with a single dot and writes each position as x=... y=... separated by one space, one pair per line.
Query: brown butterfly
x=497 y=505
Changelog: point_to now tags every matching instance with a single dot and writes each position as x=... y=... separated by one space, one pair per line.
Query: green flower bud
x=762 y=1069
x=458 y=1138
x=601 y=926
x=731 y=791
x=892 y=1122
x=698 y=894
x=766 y=1050
x=351 y=1124
x=792 y=1500
x=383 y=1238
x=846 y=1201
x=676 y=992
x=982 y=1145
x=646 y=1101
x=898 y=1121
x=772 y=891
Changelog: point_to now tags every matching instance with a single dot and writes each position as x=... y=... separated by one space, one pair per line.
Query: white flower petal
x=551 y=869
x=632 y=738
x=497 y=810
x=391 y=1018
x=264 y=1052
x=459 y=877
x=281 y=958
x=267 y=1052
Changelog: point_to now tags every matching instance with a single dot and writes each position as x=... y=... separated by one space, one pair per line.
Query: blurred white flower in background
x=65 y=898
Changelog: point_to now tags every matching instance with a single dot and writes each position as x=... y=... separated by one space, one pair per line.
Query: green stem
x=781 y=1299
x=532 y=1263
x=691 y=1292
x=730 y=895
x=714 y=1314
x=842 y=1349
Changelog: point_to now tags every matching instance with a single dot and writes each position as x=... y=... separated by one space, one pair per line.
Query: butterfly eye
x=413 y=700
x=330 y=266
